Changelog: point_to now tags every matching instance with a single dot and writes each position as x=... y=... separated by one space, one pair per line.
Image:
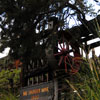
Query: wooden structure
x=58 y=58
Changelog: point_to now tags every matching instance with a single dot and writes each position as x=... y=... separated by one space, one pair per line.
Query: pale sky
x=4 y=53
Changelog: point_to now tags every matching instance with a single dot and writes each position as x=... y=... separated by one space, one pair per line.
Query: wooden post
x=55 y=89
x=86 y=50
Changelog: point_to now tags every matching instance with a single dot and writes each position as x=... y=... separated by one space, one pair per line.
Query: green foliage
x=4 y=78
x=8 y=96
x=8 y=90
x=86 y=84
x=5 y=75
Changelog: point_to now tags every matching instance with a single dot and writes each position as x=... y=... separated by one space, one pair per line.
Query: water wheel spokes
x=71 y=63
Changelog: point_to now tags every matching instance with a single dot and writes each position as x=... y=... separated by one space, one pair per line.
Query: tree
x=24 y=28
x=20 y=21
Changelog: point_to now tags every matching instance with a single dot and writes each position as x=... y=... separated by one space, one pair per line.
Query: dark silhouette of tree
x=26 y=27
x=23 y=24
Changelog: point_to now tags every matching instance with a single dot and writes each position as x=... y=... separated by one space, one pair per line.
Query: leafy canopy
x=23 y=22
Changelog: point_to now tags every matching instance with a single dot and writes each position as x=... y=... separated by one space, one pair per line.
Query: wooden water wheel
x=68 y=55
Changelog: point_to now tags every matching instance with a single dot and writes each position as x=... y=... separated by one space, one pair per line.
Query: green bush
x=86 y=83
x=8 y=96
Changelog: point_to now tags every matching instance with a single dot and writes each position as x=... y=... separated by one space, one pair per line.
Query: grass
x=86 y=84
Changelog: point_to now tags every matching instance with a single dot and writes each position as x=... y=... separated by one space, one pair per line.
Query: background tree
x=23 y=23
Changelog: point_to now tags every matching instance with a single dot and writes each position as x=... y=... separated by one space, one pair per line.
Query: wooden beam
x=36 y=71
x=93 y=45
x=87 y=38
x=84 y=30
